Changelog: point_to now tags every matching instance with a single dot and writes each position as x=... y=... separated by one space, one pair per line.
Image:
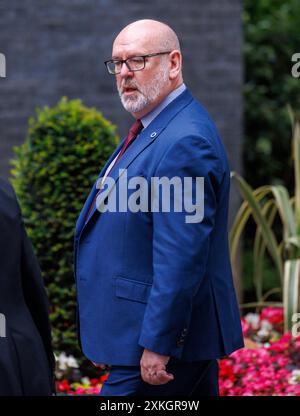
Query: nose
x=125 y=71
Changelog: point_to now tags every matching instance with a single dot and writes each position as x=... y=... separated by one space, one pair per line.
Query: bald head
x=148 y=62
x=151 y=34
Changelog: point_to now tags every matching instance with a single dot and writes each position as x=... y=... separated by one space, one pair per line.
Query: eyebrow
x=131 y=55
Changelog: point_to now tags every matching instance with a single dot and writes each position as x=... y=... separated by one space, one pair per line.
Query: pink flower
x=273 y=315
x=266 y=370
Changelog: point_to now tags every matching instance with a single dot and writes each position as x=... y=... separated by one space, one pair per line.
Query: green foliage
x=268 y=271
x=54 y=170
x=263 y=205
x=272 y=36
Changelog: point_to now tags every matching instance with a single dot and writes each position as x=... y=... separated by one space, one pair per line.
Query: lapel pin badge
x=153 y=134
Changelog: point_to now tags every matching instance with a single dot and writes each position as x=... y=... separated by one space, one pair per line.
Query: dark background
x=57 y=48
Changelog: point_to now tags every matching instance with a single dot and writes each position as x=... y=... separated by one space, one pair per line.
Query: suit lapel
x=146 y=137
x=90 y=198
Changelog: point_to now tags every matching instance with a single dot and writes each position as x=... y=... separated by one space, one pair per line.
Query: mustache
x=128 y=84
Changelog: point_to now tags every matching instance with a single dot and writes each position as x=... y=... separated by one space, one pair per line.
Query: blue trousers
x=199 y=378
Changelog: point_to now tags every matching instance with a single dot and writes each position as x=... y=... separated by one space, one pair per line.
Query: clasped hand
x=153 y=368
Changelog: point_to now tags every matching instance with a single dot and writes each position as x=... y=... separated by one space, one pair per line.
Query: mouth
x=129 y=90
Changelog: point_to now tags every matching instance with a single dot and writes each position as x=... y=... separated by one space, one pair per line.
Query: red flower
x=95 y=381
x=104 y=377
x=273 y=315
x=63 y=386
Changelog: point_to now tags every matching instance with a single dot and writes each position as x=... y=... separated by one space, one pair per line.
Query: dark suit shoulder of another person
x=26 y=357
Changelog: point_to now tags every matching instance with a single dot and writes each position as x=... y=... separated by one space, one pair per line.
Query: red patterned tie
x=132 y=134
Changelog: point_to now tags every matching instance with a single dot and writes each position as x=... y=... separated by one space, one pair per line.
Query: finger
x=164 y=373
x=161 y=377
x=147 y=375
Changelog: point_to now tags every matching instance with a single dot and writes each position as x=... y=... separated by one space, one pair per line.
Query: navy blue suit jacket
x=26 y=358
x=150 y=279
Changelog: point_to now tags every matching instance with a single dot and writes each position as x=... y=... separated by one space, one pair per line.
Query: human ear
x=175 y=64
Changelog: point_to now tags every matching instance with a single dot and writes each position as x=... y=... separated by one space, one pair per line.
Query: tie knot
x=136 y=127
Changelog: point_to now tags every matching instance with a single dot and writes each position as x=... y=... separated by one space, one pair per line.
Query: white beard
x=146 y=94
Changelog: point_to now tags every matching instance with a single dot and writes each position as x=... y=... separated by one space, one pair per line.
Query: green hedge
x=272 y=36
x=53 y=173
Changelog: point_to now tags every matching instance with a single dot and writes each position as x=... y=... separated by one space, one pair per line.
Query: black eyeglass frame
x=124 y=61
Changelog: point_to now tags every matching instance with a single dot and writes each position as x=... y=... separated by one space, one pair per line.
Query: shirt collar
x=148 y=118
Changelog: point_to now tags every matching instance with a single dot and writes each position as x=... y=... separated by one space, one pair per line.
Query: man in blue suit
x=156 y=300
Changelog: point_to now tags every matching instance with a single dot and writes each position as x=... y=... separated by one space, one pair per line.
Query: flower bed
x=268 y=366
x=270 y=363
x=87 y=386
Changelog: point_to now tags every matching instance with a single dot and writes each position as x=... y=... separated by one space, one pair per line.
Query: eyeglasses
x=136 y=63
